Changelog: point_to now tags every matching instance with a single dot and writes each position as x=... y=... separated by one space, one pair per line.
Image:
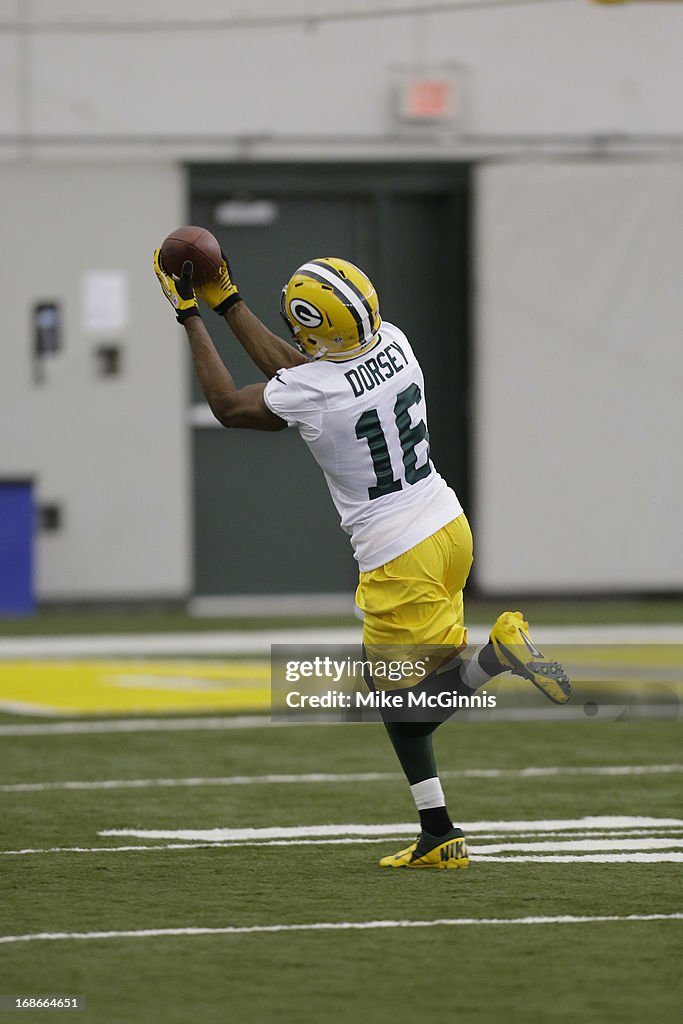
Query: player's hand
x=221 y=293
x=180 y=292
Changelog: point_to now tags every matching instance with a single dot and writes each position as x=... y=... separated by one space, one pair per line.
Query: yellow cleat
x=449 y=851
x=516 y=650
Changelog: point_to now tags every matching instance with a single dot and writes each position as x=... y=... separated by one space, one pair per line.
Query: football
x=195 y=244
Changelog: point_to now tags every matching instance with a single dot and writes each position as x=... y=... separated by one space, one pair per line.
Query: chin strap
x=350 y=353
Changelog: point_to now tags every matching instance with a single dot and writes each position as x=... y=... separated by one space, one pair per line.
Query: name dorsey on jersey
x=365 y=423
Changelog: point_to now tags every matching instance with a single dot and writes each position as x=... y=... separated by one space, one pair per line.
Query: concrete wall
x=113 y=452
x=297 y=76
x=100 y=102
x=579 y=363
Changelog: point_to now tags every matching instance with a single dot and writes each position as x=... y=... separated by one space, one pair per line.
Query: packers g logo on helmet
x=305 y=314
x=331 y=308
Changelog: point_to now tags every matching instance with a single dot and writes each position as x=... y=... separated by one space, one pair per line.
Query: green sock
x=412 y=742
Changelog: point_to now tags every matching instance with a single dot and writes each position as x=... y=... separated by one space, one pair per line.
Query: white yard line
x=218 y=644
x=318 y=926
x=532 y=713
x=605 y=839
x=664 y=857
x=30 y=851
x=624 y=769
x=162 y=847
x=617 y=857
x=231 y=780
x=588 y=845
x=405 y=828
x=587 y=838
x=342 y=777
x=132 y=725
x=259 y=641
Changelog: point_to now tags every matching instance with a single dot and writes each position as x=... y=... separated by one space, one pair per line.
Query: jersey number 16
x=370 y=428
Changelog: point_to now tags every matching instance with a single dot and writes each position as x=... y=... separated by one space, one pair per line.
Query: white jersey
x=365 y=422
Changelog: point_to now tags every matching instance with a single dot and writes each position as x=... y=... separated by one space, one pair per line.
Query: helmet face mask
x=331 y=308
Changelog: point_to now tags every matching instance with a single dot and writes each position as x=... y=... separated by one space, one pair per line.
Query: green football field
x=181 y=926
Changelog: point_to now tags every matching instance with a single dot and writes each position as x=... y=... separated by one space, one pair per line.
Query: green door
x=263 y=519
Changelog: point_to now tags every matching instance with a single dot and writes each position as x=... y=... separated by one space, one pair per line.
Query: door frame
x=380 y=181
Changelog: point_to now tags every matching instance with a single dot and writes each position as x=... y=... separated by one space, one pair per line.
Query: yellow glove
x=179 y=293
x=221 y=293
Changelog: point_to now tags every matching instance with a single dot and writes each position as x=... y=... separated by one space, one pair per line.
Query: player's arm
x=232 y=406
x=264 y=348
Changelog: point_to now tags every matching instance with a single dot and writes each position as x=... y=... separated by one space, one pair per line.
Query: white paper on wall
x=105 y=306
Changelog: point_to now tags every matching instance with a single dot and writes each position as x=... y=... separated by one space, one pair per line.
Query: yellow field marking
x=118 y=687
x=612 y=671
x=126 y=686
x=643 y=657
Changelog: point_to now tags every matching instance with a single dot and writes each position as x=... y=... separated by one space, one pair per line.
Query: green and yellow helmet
x=331 y=308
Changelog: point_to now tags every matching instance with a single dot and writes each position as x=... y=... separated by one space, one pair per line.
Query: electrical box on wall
x=47 y=335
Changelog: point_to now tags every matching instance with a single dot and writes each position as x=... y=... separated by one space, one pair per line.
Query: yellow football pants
x=414 y=603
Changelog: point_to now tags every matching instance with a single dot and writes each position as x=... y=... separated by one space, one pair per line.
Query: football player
x=354 y=390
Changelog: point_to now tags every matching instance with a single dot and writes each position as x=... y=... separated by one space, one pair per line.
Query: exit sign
x=430 y=100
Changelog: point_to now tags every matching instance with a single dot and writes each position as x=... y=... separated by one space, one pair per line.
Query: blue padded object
x=16 y=547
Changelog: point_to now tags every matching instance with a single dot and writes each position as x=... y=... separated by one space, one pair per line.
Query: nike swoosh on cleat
x=527 y=640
